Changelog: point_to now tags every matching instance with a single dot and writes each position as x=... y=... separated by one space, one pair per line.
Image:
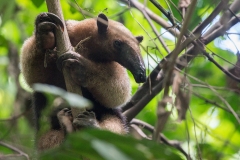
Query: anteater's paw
x=85 y=120
x=66 y=119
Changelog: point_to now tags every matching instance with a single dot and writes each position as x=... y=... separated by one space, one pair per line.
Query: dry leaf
x=182 y=96
x=162 y=115
x=183 y=3
x=231 y=83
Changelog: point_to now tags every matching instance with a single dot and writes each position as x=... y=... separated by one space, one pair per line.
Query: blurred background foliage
x=208 y=130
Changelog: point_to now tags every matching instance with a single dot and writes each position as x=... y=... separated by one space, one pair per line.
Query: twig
x=215 y=87
x=153 y=16
x=211 y=102
x=195 y=132
x=220 y=97
x=213 y=134
x=230 y=136
x=233 y=33
x=15 y=149
x=146 y=32
x=139 y=131
x=223 y=59
x=227 y=104
x=176 y=52
x=14 y=117
x=143 y=124
x=155 y=31
x=222 y=5
x=80 y=9
x=142 y=96
x=167 y=14
x=169 y=66
x=233 y=43
x=172 y=143
x=224 y=20
x=216 y=64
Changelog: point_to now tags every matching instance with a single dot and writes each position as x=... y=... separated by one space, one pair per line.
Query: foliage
x=105 y=145
x=210 y=129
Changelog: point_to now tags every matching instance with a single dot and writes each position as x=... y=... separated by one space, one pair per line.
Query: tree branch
x=145 y=93
x=185 y=58
x=167 y=14
x=229 y=74
x=14 y=149
x=153 y=16
x=63 y=45
x=211 y=102
x=150 y=128
x=227 y=15
x=155 y=31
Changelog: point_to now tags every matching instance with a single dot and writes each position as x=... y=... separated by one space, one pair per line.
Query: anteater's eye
x=117 y=44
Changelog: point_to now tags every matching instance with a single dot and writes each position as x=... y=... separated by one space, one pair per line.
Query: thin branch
x=190 y=54
x=220 y=30
x=170 y=1
x=13 y=118
x=80 y=9
x=167 y=14
x=213 y=134
x=142 y=96
x=139 y=131
x=176 y=52
x=223 y=59
x=233 y=43
x=227 y=15
x=195 y=133
x=233 y=33
x=119 y=13
x=215 y=87
x=172 y=143
x=212 y=102
x=216 y=64
x=227 y=104
x=153 y=16
x=225 y=144
x=143 y=124
x=155 y=31
x=220 y=97
x=222 y=5
x=152 y=39
x=14 y=149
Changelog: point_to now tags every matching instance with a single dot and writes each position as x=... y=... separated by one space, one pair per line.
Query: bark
x=63 y=45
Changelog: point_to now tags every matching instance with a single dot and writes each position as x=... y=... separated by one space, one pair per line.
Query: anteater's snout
x=141 y=76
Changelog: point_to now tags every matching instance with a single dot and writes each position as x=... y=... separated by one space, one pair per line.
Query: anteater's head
x=121 y=46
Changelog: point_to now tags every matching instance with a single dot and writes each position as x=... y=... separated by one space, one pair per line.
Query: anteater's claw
x=56 y=20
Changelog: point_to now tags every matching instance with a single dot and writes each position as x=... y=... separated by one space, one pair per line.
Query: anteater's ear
x=139 y=38
x=102 y=23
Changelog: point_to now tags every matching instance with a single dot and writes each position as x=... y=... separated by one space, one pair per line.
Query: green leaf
x=37 y=3
x=99 y=144
x=74 y=100
x=7 y=7
x=104 y=148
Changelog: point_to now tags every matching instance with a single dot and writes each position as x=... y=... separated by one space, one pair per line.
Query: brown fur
x=104 y=77
x=32 y=66
x=51 y=139
x=109 y=73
